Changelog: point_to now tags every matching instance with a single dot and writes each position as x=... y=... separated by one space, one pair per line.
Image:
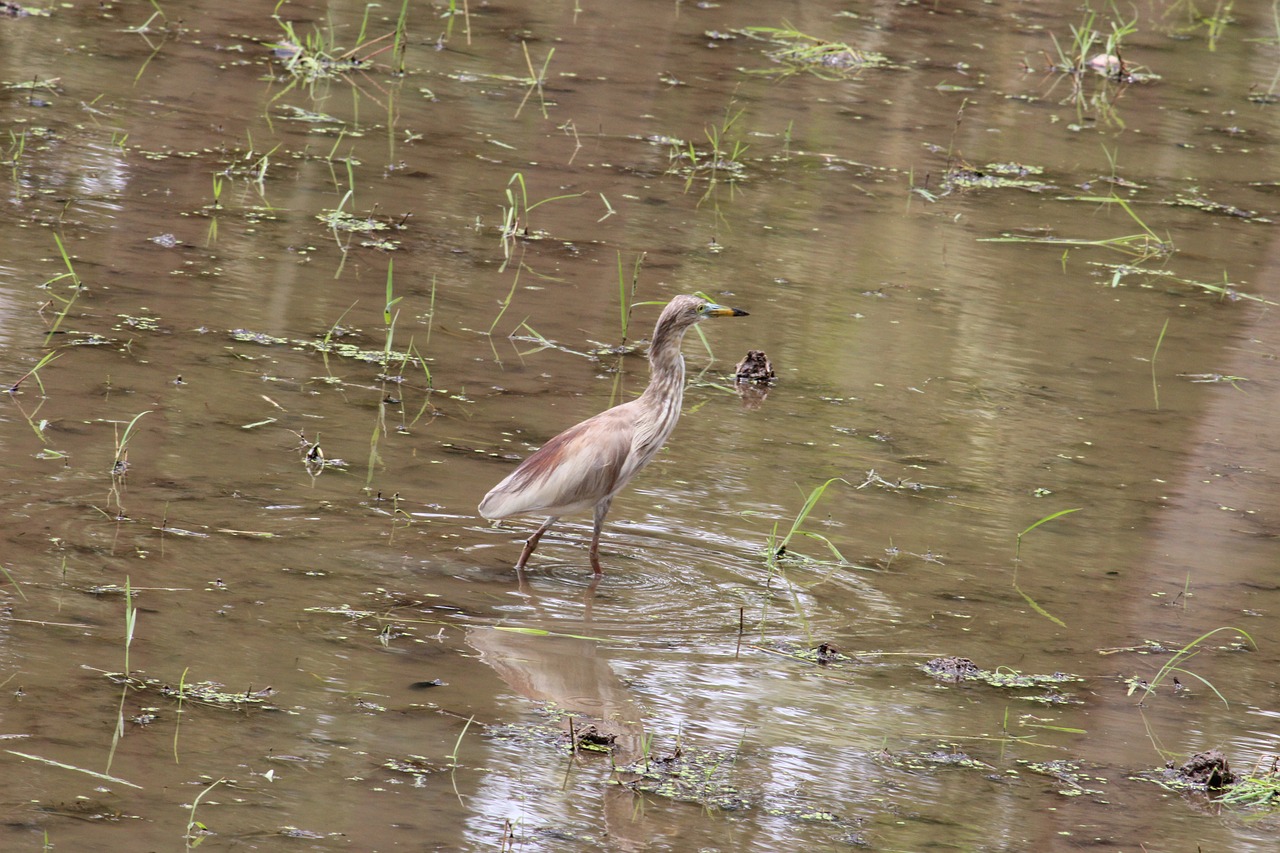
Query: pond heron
x=586 y=465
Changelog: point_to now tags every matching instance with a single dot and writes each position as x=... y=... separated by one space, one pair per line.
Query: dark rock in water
x=12 y=10
x=754 y=367
x=1209 y=768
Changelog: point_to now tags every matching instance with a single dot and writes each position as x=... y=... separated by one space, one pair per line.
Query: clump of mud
x=952 y=668
x=755 y=367
x=1209 y=769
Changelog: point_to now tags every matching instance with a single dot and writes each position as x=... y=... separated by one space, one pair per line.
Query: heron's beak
x=713 y=310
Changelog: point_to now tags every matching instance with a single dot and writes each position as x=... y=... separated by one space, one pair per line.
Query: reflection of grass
x=1213 y=24
x=13 y=155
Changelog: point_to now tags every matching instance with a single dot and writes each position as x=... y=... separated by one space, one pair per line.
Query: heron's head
x=684 y=311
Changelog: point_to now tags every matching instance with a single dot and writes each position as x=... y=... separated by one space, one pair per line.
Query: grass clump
x=797 y=52
x=688 y=774
x=1260 y=787
x=1145 y=245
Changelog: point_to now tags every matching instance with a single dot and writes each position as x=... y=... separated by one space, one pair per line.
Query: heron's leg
x=602 y=509
x=533 y=541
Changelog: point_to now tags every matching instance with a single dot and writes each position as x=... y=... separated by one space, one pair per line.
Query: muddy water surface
x=319 y=310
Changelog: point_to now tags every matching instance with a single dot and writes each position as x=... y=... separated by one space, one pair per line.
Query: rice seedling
x=1174 y=665
x=777 y=548
x=13 y=154
x=143 y=32
x=1074 y=59
x=196 y=831
x=389 y=318
x=327 y=342
x=77 y=286
x=431 y=310
x=315 y=55
x=625 y=296
x=722 y=163
x=120 y=464
x=177 y=724
x=1142 y=246
x=451 y=14
x=1017 y=556
x=16 y=587
x=401 y=38
x=211 y=234
x=571 y=129
x=457 y=745
x=536 y=80
x=34 y=373
x=506 y=303
x=1017 y=551
x=1155 y=386
x=145 y=25
x=1091 y=51
x=609 y=211
x=130 y=624
x=540 y=341
x=516 y=214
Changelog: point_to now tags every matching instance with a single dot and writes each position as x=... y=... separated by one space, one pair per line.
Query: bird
x=585 y=466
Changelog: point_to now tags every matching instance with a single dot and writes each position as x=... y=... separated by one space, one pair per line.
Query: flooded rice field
x=989 y=564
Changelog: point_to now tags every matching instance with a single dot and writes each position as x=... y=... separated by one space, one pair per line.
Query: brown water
x=1008 y=380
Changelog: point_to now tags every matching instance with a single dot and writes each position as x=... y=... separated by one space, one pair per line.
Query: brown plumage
x=586 y=465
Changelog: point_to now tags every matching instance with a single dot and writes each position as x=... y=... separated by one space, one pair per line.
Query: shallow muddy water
x=277 y=323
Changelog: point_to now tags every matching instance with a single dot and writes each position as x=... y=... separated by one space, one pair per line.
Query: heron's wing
x=570 y=473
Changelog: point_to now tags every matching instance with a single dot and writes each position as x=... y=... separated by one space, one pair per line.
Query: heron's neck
x=666 y=364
